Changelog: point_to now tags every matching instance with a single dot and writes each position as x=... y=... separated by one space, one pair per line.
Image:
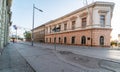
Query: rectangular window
x=65 y=26
x=73 y=40
x=84 y=22
x=46 y=30
x=102 y=20
x=54 y=29
x=50 y=29
x=59 y=27
x=73 y=24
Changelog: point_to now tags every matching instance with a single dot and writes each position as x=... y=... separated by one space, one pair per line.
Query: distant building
x=87 y=26
x=39 y=34
x=5 y=22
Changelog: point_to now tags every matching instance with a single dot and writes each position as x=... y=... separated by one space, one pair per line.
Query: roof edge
x=80 y=9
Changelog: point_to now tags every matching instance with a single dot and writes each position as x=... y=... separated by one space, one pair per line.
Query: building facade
x=5 y=22
x=39 y=34
x=87 y=26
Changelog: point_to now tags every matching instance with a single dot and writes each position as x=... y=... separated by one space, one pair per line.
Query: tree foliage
x=27 y=35
x=113 y=43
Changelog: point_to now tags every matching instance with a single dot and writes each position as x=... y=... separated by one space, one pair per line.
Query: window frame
x=59 y=26
x=102 y=40
x=65 y=40
x=65 y=26
x=83 y=40
x=73 y=40
x=50 y=29
x=103 y=19
x=50 y=40
x=73 y=24
x=84 y=23
x=59 y=39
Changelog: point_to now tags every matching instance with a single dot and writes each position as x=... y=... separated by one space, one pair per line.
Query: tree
x=113 y=43
x=27 y=35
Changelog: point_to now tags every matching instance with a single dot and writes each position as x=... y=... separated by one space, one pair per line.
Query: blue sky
x=22 y=12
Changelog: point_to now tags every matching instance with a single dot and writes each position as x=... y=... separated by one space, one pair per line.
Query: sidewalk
x=12 y=61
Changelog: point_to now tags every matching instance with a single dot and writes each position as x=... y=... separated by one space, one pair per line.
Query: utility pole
x=32 y=36
x=16 y=36
x=56 y=29
x=15 y=27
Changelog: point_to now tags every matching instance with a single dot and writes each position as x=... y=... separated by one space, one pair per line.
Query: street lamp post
x=55 y=42
x=90 y=16
x=15 y=27
x=32 y=38
x=16 y=36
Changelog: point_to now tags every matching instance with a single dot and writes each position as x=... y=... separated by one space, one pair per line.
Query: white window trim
x=105 y=18
x=86 y=20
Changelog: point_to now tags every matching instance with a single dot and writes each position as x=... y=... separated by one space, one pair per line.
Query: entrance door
x=101 y=40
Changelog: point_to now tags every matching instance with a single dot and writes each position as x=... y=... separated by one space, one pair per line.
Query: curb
x=25 y=60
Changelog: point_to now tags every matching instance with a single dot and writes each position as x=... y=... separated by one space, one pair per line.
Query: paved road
x=113 y=55
x=12 y=61
x=46 y=60
x=102 y=53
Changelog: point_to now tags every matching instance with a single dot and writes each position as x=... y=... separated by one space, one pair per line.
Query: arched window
x=59 y=39
x=101 y=40
x=50 y=40
x=55 y=40
x=73 y=40
x=83 y=40
x=65 y=40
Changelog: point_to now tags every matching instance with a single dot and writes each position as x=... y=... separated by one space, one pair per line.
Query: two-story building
x=39 y=34
x=87 y=26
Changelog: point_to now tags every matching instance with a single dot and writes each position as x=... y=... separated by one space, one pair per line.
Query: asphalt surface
x=111 y=54
x=107 y=58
